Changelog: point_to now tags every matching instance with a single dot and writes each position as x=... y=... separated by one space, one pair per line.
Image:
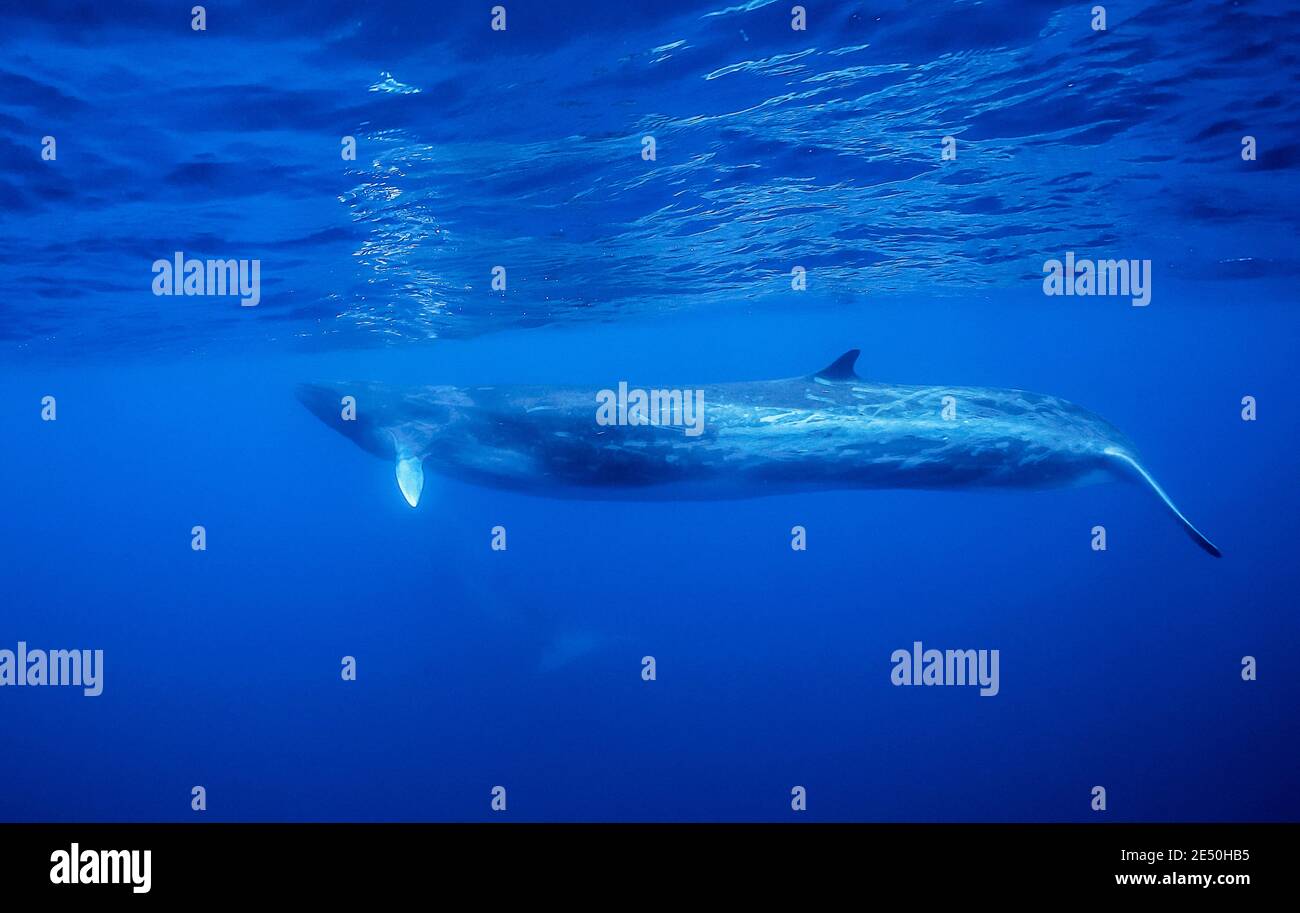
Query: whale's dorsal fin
x=841 y=368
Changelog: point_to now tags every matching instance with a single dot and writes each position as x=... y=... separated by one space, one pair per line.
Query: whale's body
x=829 y=430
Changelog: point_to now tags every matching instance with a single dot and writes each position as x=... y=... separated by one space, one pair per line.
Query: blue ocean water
x=775 y=148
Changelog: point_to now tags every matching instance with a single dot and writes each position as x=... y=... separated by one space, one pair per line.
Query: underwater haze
x=674 y=194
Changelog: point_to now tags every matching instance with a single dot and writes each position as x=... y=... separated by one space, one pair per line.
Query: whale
x=828 y=430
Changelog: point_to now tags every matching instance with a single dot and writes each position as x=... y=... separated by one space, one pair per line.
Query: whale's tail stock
x=1197 y=536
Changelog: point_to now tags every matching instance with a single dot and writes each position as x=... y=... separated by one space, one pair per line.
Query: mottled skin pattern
x=826 y=431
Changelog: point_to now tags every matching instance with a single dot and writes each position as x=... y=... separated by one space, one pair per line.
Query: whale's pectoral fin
x=841 y=368
x=410 y=477
x=1197 y=536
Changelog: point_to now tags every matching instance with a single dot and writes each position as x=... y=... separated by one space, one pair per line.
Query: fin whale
x=827 y=430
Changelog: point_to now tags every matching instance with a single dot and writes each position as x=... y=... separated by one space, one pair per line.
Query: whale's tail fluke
x=1197 y=536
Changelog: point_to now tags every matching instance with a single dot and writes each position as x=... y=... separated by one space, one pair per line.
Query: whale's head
x=343 y=406
x=321 y=401
x=398 y=424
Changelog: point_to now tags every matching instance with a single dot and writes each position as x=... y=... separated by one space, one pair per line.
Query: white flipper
x=410 y=477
